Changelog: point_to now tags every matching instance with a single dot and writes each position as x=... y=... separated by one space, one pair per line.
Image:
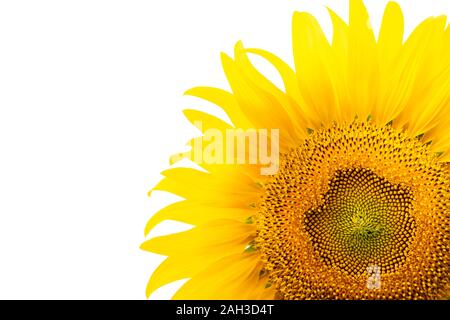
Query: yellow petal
x=273 y=93
x=389 y=45
x=177 y=268
x=230 y=278
x=399 y=86
x=225 y=188
x=206 y=120
x=339 y=47
x=225 y=100
x=197 y=213
x=363 y=62
x=314 y=65
x=340 y=35
x=261 y=107
x=172 y=269
x=219 y=235
x=299 y=109
x=391 y=34
x=411 y=96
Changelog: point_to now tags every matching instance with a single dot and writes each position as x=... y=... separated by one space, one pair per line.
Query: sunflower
x=359 y=207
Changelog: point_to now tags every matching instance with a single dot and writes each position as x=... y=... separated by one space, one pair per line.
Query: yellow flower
x=359 y=207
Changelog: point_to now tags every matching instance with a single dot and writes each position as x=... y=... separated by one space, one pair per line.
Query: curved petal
x=223 y=99
x=315 y=68
x=197 y=213
x=390 y=43
x=340 y=47
x=299 y=110
x=282 y=101
x=206 y=146
x=233 y=277
x=205 y=120
x=411 y=97
x=192 y=251
x=258 y=105
x=226 y=189
x=390 y=39
x=363 y=62
x=219 y=235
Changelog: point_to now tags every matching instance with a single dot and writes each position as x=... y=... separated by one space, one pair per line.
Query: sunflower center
x=350 y=199
x=363 y=221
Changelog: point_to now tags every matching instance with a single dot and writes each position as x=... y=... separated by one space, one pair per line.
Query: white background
x=90 y=110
